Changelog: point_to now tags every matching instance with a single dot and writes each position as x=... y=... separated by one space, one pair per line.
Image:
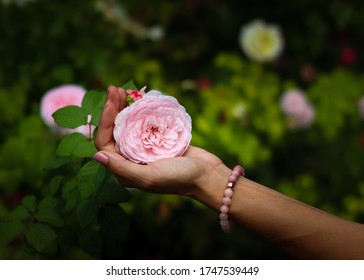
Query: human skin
x=303 y=231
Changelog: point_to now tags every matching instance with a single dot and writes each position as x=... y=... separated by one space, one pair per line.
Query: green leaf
x=129 y=85
x=114 y=221
x=69 y=143
x=85 y=149
x=92 y=101
x=87 y=211
x=10 y=230
x=50 y=216
x=55 y=184
x=70 y=116
x=70 y=185
x=57 y=162
x=112 y=192
x=42 y=238
x=30 y=202
x=90 y=178
x=72 y=199
x=91 y=242
x=48 y=213
x=20 y=213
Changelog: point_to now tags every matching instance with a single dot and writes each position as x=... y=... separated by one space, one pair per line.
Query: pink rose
x=298 y=108
x=134 y=94
x=153 y=127
x=59 y=97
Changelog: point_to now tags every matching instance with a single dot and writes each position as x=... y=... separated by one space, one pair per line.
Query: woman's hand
x=188 y=175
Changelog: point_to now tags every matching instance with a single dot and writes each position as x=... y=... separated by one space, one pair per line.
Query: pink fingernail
x=101 y=158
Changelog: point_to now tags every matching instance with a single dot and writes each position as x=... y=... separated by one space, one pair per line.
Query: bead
x=223 y=216
x=228 y=192
x=224 y=209
x=224 y=223
x=226 y=228
x=239 y=169
x=233 y=179
x=226 y=200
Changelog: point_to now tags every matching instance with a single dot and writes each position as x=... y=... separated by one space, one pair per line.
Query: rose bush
x=153 y=127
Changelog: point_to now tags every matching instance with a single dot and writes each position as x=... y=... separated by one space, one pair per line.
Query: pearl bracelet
x=228 y=194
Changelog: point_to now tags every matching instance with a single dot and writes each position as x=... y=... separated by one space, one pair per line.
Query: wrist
x=210 y=187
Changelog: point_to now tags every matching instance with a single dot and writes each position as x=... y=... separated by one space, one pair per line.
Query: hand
x=186 y=175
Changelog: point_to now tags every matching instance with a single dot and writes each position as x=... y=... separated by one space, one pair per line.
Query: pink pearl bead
x=235 y=173
x=223 y=216
x=224 y=223
x=230 y=185
x=239 y=169
x=226 y=200
x=228 y=192
x=226 y=228
x=224 y=209
x=233 y=179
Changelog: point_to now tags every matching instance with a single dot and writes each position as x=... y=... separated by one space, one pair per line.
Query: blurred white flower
x=240 y=111
x=260 y=41
x=296 y=106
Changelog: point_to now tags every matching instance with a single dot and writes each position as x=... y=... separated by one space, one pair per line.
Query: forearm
x=304 y=231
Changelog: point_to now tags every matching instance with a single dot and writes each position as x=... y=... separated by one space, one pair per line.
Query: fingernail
x=101 y=158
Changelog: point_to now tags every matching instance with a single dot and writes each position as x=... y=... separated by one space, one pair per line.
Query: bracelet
x=228 y=194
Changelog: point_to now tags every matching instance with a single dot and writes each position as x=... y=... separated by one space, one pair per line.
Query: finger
x=104 y=135
x=122 y=97
x=129 y=173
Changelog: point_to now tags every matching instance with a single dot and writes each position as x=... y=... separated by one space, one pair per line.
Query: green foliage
x=56 y=202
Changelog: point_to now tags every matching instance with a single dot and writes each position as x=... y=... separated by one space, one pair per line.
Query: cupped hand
x=179 y=175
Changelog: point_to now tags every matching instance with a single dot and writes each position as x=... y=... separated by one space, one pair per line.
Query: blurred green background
x=189 y=49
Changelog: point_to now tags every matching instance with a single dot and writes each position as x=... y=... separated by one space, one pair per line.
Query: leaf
x=114 y=221
x=129 y=85
x=90 y=178
x=87 y=211
x=91 y=242
x=92 y=101
x=20 y=213
x=84 y=149
x=10 y=230
x=112 y=192
x=48 y=213
x=55 y=184
x=42 y=238
x=56 y=163
x=72 y=199
x=69 y=144
x=50 y=216
x=70 y=117
x=30 y=202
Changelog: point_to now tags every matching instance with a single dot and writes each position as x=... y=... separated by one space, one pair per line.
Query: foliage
x=55 y=202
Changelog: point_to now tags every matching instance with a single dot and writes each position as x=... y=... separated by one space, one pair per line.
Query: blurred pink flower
x=298 y=108
x=152 y=128
x=59 y=97
x=348 y=56
x=361 y=107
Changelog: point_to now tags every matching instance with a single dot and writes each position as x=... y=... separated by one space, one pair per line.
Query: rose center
x=157 y=134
